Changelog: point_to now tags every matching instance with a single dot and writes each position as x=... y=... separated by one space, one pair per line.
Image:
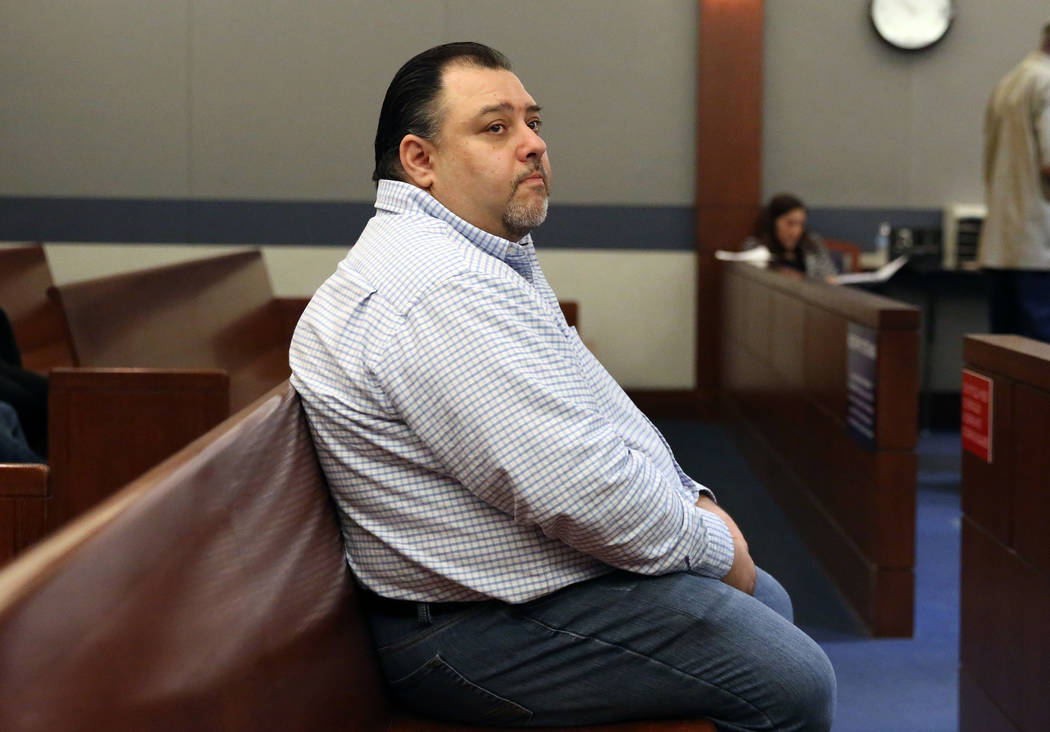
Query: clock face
x=911 y=24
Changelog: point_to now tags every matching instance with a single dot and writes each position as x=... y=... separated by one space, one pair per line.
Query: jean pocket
x=435 y=689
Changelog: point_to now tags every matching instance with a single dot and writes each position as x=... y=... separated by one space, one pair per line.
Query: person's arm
x=496 y=391
x=1042 y=130
x=991 y=132
x=819 y=262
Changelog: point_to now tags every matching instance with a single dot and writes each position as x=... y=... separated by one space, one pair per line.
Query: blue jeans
x=620 y=647
x=1019 y=302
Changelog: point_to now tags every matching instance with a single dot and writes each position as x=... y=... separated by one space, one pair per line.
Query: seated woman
x=781 y=228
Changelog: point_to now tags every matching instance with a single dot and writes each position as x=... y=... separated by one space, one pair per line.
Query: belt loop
x=423 y=613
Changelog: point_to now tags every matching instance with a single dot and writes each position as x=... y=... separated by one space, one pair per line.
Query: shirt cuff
x=717 y=557
x=698 y=489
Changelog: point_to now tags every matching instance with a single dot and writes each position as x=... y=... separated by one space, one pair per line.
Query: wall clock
x=912 y=24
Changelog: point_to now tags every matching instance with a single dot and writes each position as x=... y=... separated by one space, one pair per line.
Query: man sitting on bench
x=532 y=554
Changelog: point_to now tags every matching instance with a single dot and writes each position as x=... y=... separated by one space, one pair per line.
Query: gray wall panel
x=93 y=98
x=852 y=122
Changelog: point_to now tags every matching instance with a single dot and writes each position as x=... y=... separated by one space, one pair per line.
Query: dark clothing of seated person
x=13 y=445
x=781 y=228
x=23 y=390
x=530 y=551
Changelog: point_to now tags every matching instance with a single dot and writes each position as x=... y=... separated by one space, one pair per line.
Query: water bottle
x=882 y=243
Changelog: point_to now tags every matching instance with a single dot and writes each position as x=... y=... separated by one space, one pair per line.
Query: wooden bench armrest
x=23 y=480
x=107 y=426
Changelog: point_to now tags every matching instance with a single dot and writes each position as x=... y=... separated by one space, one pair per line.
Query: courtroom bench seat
x=40 y=335
x=160 y=356
x=209 y=594
x=212 y=313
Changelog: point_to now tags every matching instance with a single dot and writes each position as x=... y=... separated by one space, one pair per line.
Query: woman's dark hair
x=766 y=224
x=409 y=107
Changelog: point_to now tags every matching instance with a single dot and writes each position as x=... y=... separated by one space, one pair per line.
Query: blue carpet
x=906 y=685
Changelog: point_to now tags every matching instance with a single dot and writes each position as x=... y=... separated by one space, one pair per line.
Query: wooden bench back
x=37 y=322
x=23 y=507
x=209 y=594
x=206 y=313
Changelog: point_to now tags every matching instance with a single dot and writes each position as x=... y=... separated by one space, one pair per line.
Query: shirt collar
x=1039 y=56
x=399 y=197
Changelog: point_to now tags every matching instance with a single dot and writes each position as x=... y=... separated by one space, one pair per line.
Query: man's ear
x=417 y=160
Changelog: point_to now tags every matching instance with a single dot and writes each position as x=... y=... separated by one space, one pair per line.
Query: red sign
x=977 y=414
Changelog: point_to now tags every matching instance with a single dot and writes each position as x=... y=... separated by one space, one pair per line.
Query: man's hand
x=742 y=574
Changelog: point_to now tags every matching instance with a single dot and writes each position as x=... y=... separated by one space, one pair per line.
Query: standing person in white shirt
x=1015 y=237
x=530 y=551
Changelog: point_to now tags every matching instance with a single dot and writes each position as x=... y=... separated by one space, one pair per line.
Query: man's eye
x=536 y=124
x=498 y=127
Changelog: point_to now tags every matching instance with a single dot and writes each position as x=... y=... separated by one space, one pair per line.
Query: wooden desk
x=784 y=376
x=1004 y=645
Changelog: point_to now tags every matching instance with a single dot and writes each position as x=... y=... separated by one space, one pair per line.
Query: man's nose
x=532 y=145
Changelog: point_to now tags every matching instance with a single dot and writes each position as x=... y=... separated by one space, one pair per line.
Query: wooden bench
x=40 y=334
x=37 y=322
x=209 y=594
x=161 y=355
x=785 y=375
x=214 y=313
x=23 y=507
x=1004 y=598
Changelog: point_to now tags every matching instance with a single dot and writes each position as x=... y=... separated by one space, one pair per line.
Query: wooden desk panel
x=1030 y=497
x=1004 y=632
x=1004 y=639
x=785 y=369
x=985 y=497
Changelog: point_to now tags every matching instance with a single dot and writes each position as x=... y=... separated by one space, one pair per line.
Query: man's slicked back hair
x=410 y=105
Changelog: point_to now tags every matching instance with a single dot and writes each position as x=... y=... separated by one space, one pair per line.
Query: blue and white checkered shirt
x=474 y=446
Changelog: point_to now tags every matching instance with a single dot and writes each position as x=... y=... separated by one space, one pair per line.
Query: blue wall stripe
x=308 y=222
x=861 y=224
x=335 y=223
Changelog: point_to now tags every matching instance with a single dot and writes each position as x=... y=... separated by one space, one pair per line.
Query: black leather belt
x=410 y=608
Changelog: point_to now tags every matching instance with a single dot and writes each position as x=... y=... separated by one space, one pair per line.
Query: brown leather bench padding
x=210 y=594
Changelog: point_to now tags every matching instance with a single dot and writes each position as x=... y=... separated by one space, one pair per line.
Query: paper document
x=754 y=254
x=882 y=274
